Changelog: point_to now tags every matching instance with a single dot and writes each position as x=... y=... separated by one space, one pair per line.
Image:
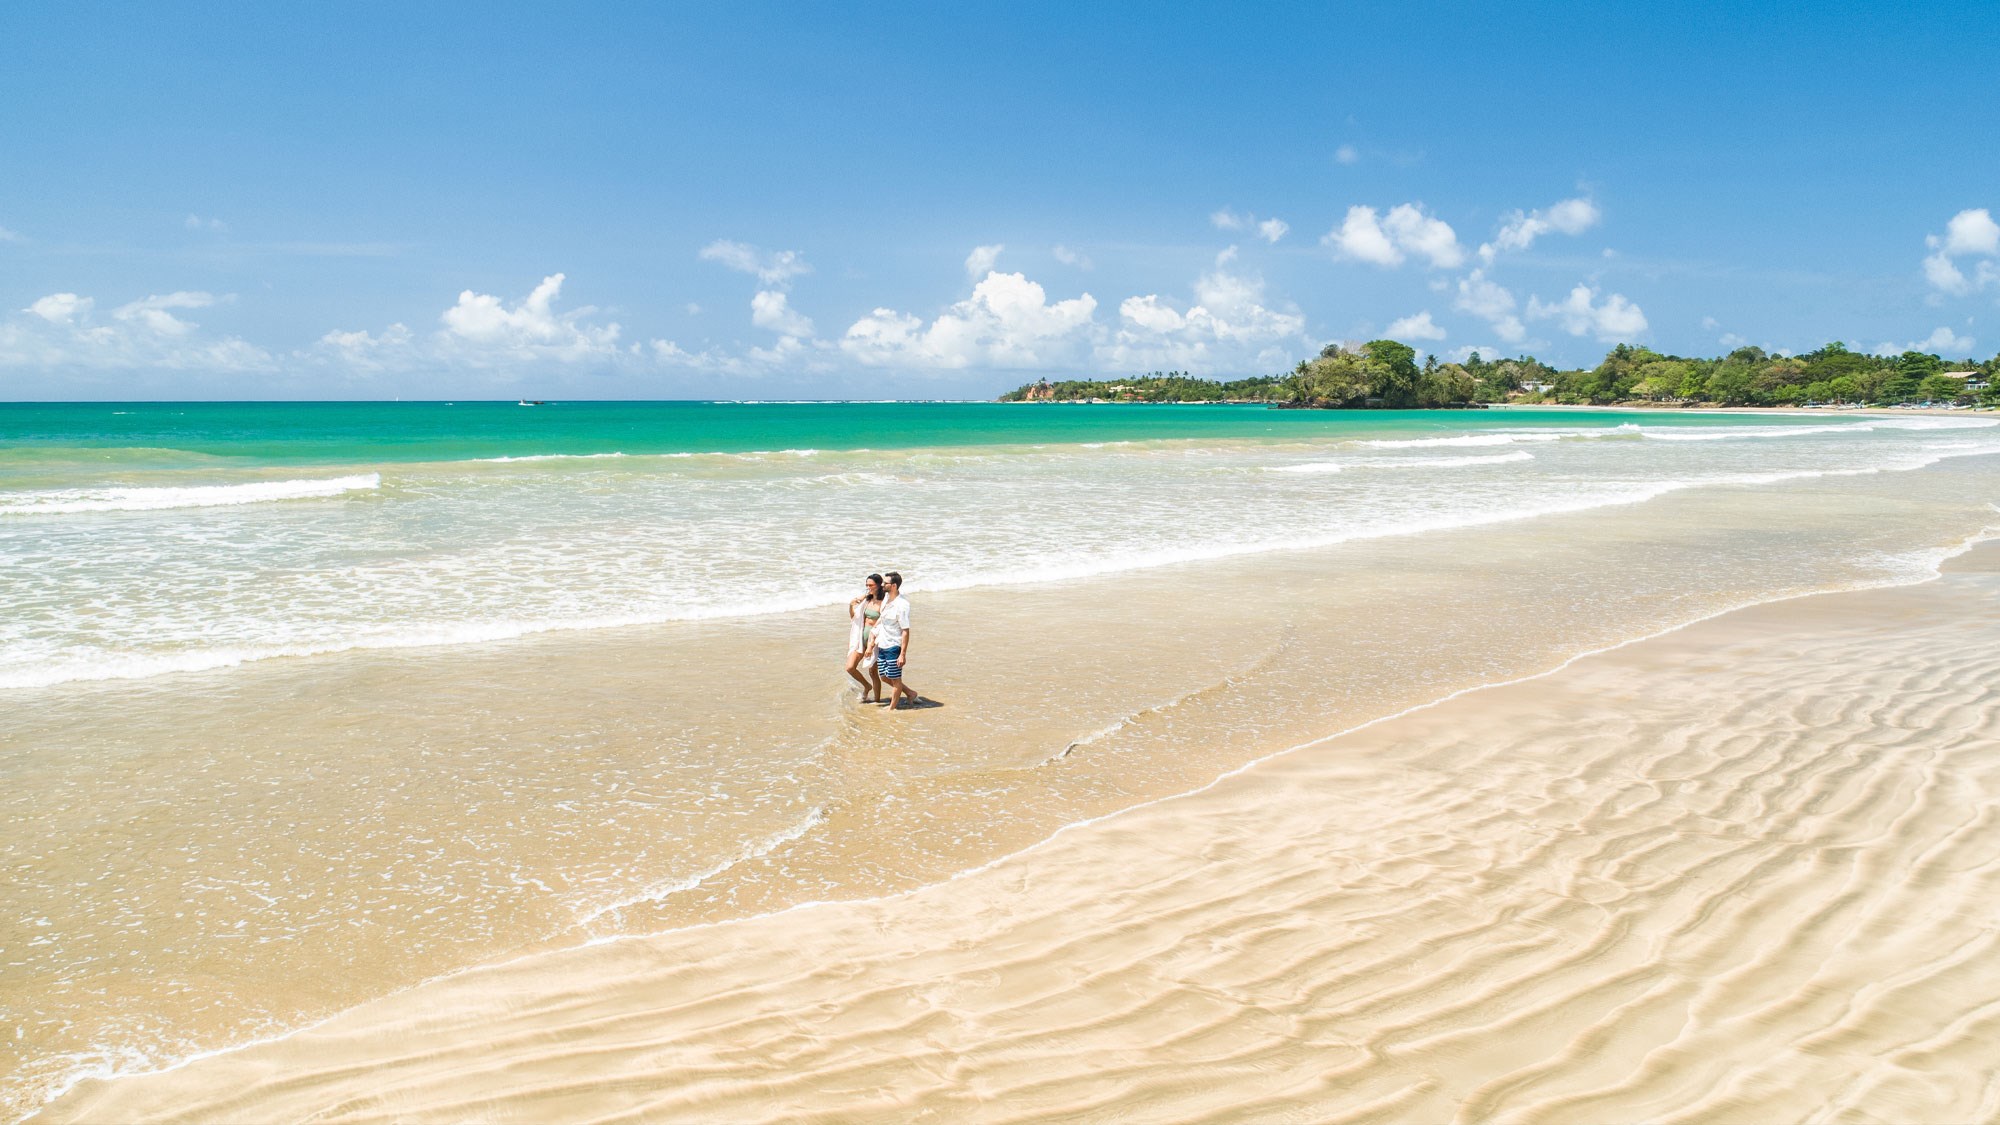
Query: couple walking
x=878 y=639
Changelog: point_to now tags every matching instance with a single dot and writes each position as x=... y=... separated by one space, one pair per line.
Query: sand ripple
x=1745 y=872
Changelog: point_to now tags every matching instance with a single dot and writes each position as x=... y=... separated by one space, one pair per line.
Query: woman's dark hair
x=877 y=579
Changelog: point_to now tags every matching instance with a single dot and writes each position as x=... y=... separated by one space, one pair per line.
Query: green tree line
x=1385 y=374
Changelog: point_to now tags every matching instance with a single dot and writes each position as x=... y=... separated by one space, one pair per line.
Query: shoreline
x=582 y=976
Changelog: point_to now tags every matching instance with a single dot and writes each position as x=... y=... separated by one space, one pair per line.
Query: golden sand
x=1746 y=872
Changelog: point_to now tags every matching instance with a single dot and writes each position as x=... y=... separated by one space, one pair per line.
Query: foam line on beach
x=142 y=666
x=754 y=849
x=1315 y=467
x=70 y=501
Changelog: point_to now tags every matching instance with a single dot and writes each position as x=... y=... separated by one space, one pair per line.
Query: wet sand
x=1744 y=871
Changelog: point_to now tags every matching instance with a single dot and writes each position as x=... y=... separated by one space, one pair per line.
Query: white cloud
x=1522 y=228
x=1710 y=324
x=1943 y=274
x=981 y=261
x=1490 y=301
x=152 y=311
x=691 y=308
x=1347 y=154
x=1226 y=255
x=196 y=222
x=1970 y=233
x=1008 y=321
x=1611 y=320
x=770 y=309
x=1384 y=240
x=1423 y=234
x=11 y=235
x=1944 y=342
x=1732 y=341
x=1270 y=230
x=1360 y=236
x=1229 y=327
x=61 y=308
x=775 y=269
x=61 y=330
x=1417 y=327
x=1069 y=257
x=368 y=352
x=1486 y=351
x=483 y=327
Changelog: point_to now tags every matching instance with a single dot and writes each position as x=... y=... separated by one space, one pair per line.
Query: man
x=892 y=641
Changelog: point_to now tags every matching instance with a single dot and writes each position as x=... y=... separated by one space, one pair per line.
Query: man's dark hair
x=894 y=579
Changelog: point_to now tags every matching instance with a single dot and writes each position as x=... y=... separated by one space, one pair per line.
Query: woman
x=862 y=613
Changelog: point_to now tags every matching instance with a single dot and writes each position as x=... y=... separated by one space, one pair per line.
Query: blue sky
x=356 y=201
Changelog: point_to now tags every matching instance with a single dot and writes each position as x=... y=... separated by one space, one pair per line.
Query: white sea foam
x=1740 y=433
x=68 y=501
x=549 y=457
x=753 y=849
x=1310 y=467
x=1514 y=438
x=1458 y=462
x=524 y=553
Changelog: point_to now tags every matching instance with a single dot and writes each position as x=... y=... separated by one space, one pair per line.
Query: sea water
x=310 y=702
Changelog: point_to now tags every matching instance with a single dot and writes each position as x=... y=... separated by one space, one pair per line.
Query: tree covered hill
x=1385 y=374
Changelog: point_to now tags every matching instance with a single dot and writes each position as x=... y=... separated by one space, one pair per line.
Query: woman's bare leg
x=854 y=669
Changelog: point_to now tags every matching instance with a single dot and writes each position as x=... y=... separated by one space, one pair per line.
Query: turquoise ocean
x=143 y=538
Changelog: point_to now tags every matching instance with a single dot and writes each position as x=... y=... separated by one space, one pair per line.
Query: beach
x=1415 y=767
x=1738 y=872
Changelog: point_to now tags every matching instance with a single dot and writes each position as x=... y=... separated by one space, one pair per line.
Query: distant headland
x=1384 y=374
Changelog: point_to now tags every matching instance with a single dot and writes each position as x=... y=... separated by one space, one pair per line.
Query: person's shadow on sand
x=924 y=704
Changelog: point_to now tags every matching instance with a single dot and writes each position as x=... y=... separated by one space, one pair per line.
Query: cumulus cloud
x=1069 y=257
x=1971 y=233
x=485 y=331
x=62 y=330
x=1385 y=240
x=1612 y=320
x=1230 y=325
x=196 y=222
x=1224 y=219
x=1522 y=228
x=1008 y=321
x=61 y=308
x=1416 y=327
x=1347 y=154
x=11 y=235
x=481 y=325
x=981 y=261
x=770 y=309
x=1271 y=230
x=1491 y=302
x=775 y=269
x=1943 y=342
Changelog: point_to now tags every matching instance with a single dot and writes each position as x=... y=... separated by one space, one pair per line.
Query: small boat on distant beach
x=530 y=402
